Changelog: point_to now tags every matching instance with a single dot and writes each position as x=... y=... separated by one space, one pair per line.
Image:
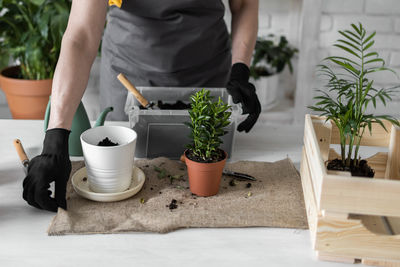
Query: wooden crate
x=352 y=219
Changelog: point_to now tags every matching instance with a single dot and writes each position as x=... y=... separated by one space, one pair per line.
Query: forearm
x=69 y=83
x=244 y=29
x=78 y=51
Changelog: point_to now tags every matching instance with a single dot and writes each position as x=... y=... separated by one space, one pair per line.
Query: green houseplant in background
x=271 y=55
x=31 y=33
x=349 y=93
x=204 y=159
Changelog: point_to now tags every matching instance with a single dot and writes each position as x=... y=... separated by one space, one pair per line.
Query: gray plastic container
x=162 y=133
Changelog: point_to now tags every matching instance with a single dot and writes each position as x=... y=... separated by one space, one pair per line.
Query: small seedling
x=162 y=173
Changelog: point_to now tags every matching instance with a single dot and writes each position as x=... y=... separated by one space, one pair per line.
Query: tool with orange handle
x=22 y=155
x=131 y=88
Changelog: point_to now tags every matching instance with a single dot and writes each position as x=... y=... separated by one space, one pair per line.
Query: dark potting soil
x=221 y=155
x=173 y=204
x=363 y=170
x=178 y=105
x=107 y=142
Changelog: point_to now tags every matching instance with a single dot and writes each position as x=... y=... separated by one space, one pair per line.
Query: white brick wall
x=382 y=16
x=342 y=6
x=382 y=7
x=274 y=16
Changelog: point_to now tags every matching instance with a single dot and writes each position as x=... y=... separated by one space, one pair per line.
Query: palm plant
x=31 y=33
x=208 y=120
x=350 y=92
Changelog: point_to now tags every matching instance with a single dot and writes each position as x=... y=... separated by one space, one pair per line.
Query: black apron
x=179 y=43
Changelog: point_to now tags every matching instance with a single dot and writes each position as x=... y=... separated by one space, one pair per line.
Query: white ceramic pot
x=268 y=91
x=109 y=168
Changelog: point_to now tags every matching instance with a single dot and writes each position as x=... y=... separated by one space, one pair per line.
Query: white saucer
x=81 y=185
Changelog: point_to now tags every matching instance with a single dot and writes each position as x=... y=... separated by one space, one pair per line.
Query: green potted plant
x=271 y=55
x=349 y=94
x=31 y=36
x=204 y=159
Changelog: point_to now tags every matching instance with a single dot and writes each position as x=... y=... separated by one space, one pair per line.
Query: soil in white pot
x=107 y=142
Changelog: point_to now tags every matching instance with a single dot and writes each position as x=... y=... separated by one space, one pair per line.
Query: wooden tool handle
x=131 y=88
x=20 y=150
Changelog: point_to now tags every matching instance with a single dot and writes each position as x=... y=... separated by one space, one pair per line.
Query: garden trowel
x=22 y=155
x=131 y=88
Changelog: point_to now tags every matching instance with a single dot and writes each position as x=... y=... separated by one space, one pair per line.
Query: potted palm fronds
x=204 y=159
x=352 y=218
x=31 y=35
x=349 y=94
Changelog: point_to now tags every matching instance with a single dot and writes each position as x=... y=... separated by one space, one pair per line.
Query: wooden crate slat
x=393 y=162
x=378 y=162
x=375 y=224
x=394 y=224
x=323 y=132
x=379 y=138
x=313 y=154
x=352 y=239
x=309 y=197
x=361 y=196
x=383 y=263
x=323 y=256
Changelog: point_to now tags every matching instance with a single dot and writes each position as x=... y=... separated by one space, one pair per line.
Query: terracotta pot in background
x=204 y=178
x=27 y=99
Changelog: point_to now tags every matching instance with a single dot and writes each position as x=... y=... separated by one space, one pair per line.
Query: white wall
x=382 y=16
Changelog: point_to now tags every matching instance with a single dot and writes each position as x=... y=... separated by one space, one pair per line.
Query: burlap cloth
x=274 y=200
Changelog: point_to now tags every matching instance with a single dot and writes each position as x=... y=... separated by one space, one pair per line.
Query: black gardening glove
x=52 y=165
x=244 y=92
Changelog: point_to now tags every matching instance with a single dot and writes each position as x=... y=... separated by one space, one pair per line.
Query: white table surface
x=24 y=241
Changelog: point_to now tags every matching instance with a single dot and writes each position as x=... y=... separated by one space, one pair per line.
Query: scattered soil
x=178 y=105
x=107 y=142
x=248 y=185
x=363 y=170
x=190 y=155
x=173 y=204
x=232 y=182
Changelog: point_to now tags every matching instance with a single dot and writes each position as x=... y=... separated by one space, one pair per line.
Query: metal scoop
x=131 y=88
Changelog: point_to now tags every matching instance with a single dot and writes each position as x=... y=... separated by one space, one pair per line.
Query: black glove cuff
x=56 y=141
x=240 y=72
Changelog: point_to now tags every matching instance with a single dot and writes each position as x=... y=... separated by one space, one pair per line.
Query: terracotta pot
x=205 y=178
x=27 y=99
